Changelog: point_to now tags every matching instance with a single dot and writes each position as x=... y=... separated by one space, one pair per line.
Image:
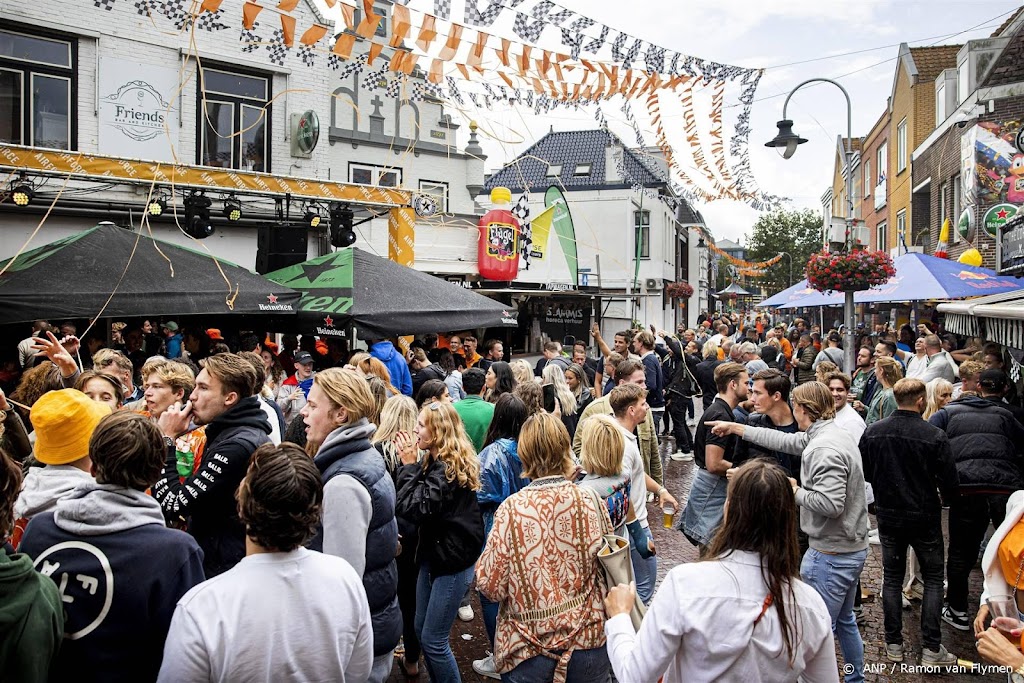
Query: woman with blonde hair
x=553 y=375
x=824 y=369
x=359 y=499
x=940 y=392
x=397 y=422
x=521 y=371
x=438 y=494
x=601 y=458
x=370 y=366
x=540 y=565
x=883 y=403
x=531 y=395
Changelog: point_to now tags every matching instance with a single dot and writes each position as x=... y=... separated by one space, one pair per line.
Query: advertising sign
x=1011 y=247
x=560 y=319
x=138 y=109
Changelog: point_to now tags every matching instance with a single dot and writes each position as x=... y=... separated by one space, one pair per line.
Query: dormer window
x=581 y=170
x=554 y=171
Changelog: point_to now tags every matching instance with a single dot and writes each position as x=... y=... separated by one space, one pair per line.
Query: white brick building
x=64 y=68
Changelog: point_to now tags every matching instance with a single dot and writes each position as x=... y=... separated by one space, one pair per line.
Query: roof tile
x=931 y=61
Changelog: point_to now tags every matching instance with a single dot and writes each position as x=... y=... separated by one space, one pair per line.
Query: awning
x=998 y=318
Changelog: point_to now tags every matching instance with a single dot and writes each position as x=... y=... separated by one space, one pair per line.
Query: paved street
x=469 y=639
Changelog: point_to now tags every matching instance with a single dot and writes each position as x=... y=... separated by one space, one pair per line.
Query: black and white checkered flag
x=522 y=211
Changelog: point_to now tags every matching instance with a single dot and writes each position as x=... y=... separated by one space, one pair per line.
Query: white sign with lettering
x=138 y=110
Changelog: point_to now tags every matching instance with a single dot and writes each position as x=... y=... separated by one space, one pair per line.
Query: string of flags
x=462 y=62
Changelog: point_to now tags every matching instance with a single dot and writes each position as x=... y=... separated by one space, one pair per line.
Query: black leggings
x=408 y=572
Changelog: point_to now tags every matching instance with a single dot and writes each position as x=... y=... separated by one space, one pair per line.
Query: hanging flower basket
x=679 y=290
x=849 y=272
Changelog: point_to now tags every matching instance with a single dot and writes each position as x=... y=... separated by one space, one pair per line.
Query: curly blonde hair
x=453 y=447
x=370 y=366
x=522 y=371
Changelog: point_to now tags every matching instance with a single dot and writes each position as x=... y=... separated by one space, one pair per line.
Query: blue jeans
x=646 y=573
x=705 y=507
x=490 y=612
x=585 y=666
x=437 y=604
x=835 y=578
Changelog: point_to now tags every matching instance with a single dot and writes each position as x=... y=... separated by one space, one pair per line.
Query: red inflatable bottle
x=498 y=243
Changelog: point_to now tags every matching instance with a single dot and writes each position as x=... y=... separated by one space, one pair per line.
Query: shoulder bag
x=613 y=556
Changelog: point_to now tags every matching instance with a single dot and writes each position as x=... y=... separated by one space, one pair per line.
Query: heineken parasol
x=383 y=298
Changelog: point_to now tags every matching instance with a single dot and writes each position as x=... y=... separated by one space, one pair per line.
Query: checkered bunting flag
x=334 y=62
x=104 y=4
x=276 y=48
x=307 y=55
x=249 y=38
x=522 y=211
x=482 y=17
x=211 y=21
x=442 y=9
x=394 y=88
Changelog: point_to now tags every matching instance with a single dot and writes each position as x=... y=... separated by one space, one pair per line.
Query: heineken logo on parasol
x=328 y=329
x=273 y=305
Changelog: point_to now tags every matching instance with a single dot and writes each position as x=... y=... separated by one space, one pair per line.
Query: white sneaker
x=466 y=613
x=873 y=537
x=485 y=667
x=679 y=456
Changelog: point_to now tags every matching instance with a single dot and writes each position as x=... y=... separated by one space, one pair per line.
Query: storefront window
x=36 y=87
x=235 y=111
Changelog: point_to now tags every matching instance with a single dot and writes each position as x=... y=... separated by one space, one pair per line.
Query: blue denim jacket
x=501 y=475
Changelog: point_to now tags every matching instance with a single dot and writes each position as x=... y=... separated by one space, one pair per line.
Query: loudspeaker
x=279 y=247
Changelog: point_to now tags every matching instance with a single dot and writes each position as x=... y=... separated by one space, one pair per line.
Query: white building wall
x=124 y=34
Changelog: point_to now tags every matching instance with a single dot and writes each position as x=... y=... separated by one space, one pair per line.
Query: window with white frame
x=437 y=190
x=902 y=236
x=883 y=161
x=940 y=102
x=867 y=178
x=369 y=174
x=882 y=236
x=957 y=200
x=37 y=85
x=554 y=171
x=642 y=233
x=901 y=146
x=234 y=110
x=581 y=170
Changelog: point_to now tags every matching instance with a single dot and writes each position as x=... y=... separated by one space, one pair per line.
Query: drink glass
x=1004 y=614
x=668 y=512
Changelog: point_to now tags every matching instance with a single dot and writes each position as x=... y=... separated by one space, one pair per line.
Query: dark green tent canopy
x=383 y=298
x=108 y=272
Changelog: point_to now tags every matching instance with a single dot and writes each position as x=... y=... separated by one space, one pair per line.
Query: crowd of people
x=281 y=507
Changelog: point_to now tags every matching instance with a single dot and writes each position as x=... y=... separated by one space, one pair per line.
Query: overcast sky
x=772 y=33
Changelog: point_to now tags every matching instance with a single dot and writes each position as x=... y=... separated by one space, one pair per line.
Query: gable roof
x=569 y=149
x=931 y=61
x=1009 y=20
x=728 y=245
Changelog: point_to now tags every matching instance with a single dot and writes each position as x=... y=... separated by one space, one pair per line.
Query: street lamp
x=789 y=283
x=788 y=141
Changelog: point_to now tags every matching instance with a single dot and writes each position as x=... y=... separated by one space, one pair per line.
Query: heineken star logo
x=272 y=298
x=1002 y=213
x=329 y=321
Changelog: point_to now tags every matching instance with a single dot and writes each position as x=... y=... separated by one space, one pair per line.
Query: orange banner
x=402 y=247
x=105 y=169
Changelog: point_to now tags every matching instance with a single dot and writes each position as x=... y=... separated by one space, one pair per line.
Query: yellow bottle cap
x=501 y=195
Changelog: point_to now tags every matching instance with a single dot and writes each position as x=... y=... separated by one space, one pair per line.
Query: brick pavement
x=469 y=639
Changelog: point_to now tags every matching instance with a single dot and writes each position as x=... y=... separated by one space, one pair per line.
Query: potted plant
x=679 y=290
x=849 y=271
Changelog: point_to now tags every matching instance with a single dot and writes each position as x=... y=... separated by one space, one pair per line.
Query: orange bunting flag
x=288 y=27
x=452 y=46
x=250 y=10
x=343 y=45
x=463 y=70
x=313 y=34
x=396 y=61
x=368 y=26
x=427 y=33
x=400 y=24
x=476 y=54
x=411 y=59
x=373 y=53
x=348 y=15
x=503 y=53
x=506 y=79
x=435 y=75
x=210 y=6
x=524 y=61
x=287 y=5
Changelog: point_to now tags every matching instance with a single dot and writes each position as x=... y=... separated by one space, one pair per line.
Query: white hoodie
x=44 y=486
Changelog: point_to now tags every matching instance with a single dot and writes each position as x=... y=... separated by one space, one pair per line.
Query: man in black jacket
x=987 y=443
x=906 y=460
x=236 y=426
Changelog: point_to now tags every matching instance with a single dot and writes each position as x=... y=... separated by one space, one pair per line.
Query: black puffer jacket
x=987 y=443
x=448 y=516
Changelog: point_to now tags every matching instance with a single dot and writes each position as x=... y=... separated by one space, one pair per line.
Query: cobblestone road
x=469 y=639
